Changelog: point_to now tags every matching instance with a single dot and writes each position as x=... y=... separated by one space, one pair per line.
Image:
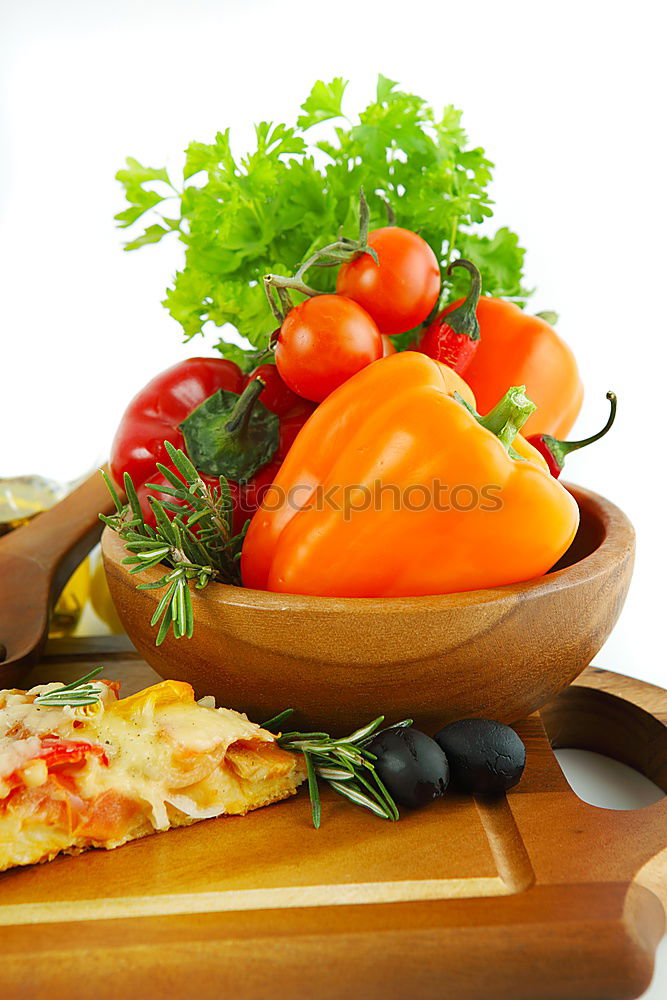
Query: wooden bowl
x=499 y=653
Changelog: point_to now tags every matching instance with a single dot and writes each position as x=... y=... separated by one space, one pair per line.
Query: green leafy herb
x=270 y=210
x=74 y=694
x=344 y=763
x=196 y=541
x=343 y=250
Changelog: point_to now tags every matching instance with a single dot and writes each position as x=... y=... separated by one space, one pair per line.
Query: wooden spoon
x=36 y=562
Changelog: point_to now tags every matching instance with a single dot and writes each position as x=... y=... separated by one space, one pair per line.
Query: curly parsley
x=270 y=209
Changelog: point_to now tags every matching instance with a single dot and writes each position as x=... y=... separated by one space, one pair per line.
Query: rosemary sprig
x=193 y=537
x=344 y=763
x=74 y=694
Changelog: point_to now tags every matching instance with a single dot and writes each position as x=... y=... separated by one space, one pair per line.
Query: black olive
x=485 y=757
x=411 y=765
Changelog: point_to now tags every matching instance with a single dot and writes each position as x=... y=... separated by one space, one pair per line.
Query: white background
x=567 y=99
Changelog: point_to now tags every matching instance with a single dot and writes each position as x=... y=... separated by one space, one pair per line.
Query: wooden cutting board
x=536 y=896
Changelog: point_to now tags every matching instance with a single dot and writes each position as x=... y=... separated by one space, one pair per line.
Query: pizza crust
x=153 y=761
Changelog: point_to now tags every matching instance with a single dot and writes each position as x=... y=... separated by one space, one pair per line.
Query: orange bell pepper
x=395 y=488
x=518 y=349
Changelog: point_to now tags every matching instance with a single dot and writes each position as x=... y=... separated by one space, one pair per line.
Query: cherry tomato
x=276 y=395
x=387 y=346
x=323 y=342
x=400 y=291
x=248 y=496
x=290 y=427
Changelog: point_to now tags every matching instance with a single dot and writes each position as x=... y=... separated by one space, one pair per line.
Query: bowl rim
x=616 y=545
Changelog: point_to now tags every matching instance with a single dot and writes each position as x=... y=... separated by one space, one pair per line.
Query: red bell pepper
x=219 y=437
x=55 y=751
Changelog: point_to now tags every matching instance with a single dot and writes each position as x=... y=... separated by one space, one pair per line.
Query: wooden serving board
x=534 y=896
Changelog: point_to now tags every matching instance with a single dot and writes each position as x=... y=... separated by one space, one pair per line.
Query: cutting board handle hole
x=605 y=782
x=612 y=751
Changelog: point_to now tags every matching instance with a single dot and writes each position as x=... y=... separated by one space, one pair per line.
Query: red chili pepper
x=55 y=751
x=453 y=336
x=216 y=436
x=555 y=452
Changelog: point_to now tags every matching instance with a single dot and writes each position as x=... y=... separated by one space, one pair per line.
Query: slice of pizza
x=102 y=772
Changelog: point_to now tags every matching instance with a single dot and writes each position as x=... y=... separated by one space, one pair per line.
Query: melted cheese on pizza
x=98 y=776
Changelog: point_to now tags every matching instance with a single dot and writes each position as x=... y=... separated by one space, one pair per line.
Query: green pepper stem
x=240 y=415
x=463 y=319
x=549 y=316
x=560 y=449
x=507 y=417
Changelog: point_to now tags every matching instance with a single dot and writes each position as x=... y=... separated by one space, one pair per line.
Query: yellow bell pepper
x=396 y=487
